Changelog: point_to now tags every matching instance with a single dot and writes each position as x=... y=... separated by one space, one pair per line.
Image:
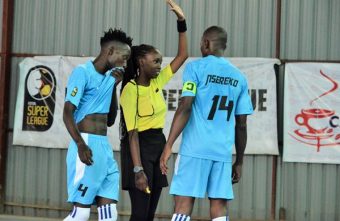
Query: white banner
x=262 y=125
x=311 y=113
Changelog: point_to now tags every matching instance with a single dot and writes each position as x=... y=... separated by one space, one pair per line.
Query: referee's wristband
x=181 y=26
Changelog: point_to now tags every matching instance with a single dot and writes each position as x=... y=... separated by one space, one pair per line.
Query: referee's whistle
x=147 y=190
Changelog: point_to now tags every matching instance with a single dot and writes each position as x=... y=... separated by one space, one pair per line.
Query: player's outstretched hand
x=176 y=9
x=164 y=159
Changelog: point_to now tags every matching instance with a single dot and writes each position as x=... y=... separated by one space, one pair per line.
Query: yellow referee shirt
x=144 y=107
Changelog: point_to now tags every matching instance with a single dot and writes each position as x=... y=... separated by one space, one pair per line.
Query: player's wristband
x=181 y=26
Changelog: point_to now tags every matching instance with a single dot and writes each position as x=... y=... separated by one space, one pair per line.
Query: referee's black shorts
x=151 y=143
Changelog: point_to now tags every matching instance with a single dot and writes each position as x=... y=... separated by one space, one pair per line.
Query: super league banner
x=37 y=112
x=311 y=113
x=43 y=80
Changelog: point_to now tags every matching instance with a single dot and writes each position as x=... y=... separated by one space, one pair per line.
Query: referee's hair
x=115 y=35
x=137 y=52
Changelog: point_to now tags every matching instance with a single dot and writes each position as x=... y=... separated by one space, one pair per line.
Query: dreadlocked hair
x=115 y=35
x=131 y=72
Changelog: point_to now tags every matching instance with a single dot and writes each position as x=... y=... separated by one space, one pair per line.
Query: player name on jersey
x=221 y=80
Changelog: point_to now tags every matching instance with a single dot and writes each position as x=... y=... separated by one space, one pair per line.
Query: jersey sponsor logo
x=215 y=79
x=190 y=87
x=74 y=92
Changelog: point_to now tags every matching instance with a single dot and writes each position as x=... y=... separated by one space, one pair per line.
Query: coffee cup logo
x=315 y=120
x=318 y=126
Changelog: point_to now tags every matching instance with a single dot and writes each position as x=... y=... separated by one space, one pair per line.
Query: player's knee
x=78 y=214
x=181 y=217
x=107 y=212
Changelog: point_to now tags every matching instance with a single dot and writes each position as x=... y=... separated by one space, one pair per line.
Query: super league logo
x=318 y=126
x=39 y=99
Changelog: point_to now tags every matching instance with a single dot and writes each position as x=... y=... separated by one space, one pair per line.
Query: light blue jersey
x=221 y=92
x=89 y=91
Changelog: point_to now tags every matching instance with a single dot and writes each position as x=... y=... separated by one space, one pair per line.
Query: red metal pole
x=5 y=77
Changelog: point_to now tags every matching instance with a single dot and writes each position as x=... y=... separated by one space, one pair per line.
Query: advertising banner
x=41 y=93
x=311 y=113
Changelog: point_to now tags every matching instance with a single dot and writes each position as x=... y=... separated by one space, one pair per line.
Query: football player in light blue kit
x=91 y=106
x=213 y=116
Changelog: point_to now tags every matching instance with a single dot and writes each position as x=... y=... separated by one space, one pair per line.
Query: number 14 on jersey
x=221 y=102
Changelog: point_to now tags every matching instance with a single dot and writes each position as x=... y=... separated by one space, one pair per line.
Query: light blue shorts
x=84 y=182
x=195 y=177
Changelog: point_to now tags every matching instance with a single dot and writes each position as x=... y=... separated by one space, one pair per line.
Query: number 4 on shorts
x=82 y=189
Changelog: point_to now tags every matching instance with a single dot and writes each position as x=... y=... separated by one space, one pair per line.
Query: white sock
x=222 y=218
x=107 y=212
x=180 y=217
x=78 y=214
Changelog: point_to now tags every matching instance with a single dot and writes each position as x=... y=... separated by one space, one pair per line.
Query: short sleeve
x=164 y=76
x=244 y=105
x=128 y=102
x=190 y=81
x=76 y=85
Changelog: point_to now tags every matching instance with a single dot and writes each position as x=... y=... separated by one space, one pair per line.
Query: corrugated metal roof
x=74 y=27
x=309 y=192
x=310 y=29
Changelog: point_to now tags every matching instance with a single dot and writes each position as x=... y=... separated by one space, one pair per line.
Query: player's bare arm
x=84 y=152
x=181 y=118
x=240 y=146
